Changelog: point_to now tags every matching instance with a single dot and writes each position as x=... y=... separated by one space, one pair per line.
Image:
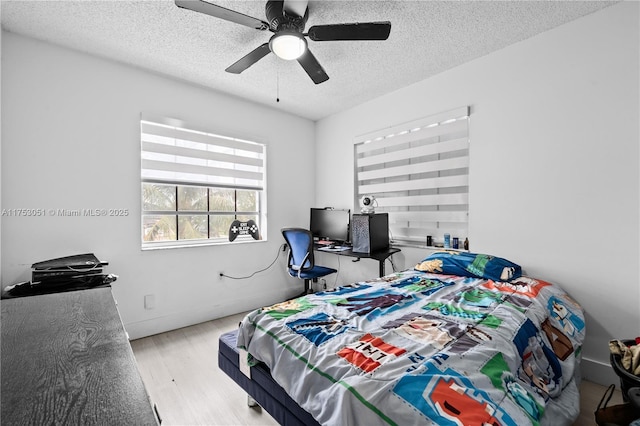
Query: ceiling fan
x=287 y=19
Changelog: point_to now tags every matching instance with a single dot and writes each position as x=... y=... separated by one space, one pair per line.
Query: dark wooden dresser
x=66 y=360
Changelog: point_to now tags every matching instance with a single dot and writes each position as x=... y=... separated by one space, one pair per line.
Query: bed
x=462 y=338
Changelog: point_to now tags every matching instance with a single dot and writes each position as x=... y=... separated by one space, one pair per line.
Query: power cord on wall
x=281 y=248
x=393 y=265
x=335 y=281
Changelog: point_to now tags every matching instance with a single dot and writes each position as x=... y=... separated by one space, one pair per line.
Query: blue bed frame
x=261 y=386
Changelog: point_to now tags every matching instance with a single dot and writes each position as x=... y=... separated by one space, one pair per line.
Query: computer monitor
x=330 y=224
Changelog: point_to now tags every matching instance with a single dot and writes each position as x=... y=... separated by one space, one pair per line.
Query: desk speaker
x=370 y=232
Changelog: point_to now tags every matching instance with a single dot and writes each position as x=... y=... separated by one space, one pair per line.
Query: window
x=195 y=184
x=418 y=172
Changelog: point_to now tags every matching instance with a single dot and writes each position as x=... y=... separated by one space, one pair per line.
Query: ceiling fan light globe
x=288 y=46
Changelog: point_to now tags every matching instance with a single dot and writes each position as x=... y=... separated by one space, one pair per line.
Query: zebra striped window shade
x=177 y=155
x=418 y=173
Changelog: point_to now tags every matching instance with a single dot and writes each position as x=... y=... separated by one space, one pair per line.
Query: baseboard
x=598 y=372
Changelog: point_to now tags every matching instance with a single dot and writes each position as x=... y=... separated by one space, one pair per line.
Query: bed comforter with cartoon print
x=421 y=348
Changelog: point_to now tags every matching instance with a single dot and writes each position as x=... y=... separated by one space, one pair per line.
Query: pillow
x=470 y=265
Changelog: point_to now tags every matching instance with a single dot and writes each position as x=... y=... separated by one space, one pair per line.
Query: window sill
x=195 y=243
x=422 y=246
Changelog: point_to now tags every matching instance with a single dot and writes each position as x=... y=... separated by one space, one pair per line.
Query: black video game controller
x=253 y=229
x=243 y=228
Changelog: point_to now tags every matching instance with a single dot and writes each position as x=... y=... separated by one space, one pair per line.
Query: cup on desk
x=455 y=242
x=429 y=241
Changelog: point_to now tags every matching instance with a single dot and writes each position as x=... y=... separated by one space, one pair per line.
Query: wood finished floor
x=180 y=371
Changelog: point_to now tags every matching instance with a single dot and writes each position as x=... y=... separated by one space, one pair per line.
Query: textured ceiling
x=427 y=38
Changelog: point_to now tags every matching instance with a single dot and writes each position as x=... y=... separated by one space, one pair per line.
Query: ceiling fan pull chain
x=277 y=82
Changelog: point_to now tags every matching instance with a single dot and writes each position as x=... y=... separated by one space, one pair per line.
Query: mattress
x=261 y=386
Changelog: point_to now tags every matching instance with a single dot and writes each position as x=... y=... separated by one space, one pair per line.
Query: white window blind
x=418 y=172
x=176 y=155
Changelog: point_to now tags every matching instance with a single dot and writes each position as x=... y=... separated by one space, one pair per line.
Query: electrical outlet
x=150 y=301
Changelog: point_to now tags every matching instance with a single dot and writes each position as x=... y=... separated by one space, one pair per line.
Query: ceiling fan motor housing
x=280 y=20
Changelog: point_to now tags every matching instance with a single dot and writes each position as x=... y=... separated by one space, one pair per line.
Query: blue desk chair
x=300 y=263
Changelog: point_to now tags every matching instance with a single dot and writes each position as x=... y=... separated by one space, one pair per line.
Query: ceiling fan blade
x=222 y=13
x=356 y=31
x=295 y=7
x=245 y=62
x=313 y=67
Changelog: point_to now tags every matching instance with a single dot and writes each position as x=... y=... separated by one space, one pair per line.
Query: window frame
x=147 y=122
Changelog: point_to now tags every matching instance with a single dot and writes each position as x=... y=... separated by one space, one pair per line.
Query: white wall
x=554 y=162
x=71 y=140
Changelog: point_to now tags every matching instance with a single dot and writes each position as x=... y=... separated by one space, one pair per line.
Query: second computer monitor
x=330 y=224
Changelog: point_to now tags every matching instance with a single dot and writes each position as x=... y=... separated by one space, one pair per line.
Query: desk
x=66 y=360
x=379 y=255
